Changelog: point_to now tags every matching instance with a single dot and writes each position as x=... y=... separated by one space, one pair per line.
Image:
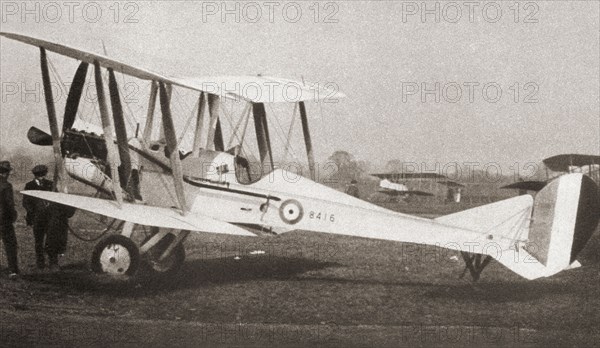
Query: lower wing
x=142 y=214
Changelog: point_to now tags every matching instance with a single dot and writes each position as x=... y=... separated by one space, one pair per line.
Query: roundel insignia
x=291 y=211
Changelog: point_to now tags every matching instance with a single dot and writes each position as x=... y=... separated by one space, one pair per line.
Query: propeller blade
x=37 y=136
x=74 y=96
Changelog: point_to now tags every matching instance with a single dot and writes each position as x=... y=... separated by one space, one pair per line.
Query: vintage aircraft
x=564 y=163
x=395 y=189
x=151 y=182
x=394 y=184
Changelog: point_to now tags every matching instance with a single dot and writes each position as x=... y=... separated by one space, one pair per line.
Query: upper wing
x=257 y=89
x=262 y=89
x=404 y=176
x=405 y=193
x=88 y=57
x=450 y=183
x=142 y=214
x=526 y=185
x=561 y=163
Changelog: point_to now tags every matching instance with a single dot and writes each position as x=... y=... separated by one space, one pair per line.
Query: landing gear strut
x=474 y=265
x=163 y=252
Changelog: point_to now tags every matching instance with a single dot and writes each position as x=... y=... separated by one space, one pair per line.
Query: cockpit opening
x=247 y=172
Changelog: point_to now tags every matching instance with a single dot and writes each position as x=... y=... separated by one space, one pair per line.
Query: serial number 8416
x=321 y=216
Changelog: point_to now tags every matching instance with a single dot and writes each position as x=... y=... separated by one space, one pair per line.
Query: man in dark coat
x=57 y=232
x=38 y=212
x=8 y=216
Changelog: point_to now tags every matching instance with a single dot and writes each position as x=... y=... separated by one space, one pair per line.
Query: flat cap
x=40 y=169
x=5 y=167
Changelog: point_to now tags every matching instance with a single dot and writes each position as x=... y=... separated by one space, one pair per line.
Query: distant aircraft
x=150 y=181
x=394 y=184
x=564 y=163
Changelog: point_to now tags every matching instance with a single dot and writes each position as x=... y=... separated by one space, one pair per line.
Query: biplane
x=561 y=164
x=394 y=184
x=148 y=180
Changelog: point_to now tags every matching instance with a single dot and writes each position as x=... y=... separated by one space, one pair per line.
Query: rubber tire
x=132 y=248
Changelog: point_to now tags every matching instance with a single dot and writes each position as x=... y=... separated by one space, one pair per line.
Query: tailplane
x=536 y=238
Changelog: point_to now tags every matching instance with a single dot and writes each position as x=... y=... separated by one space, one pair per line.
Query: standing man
x=38 y=212
x=8 y=215
x=57 y=233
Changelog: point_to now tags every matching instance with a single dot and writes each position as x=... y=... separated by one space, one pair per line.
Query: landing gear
x=155 y=263
x=474 y=265
x=161 y=253
x=116 y=255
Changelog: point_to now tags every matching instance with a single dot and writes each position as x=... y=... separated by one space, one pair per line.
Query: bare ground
x=305 y=290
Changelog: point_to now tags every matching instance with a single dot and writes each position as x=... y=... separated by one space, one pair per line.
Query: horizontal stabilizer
x=574 y=265
x=142 y=214
x=502 y=220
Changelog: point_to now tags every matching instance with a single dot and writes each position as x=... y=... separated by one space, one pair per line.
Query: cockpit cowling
x=221 y=167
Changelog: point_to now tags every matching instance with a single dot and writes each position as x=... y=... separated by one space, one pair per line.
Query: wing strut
x=215 y=134
x=199 y=125
x=173 y=149
x=213 y=107
x=262 y=134
x=59 y=169
x=150 y=115
x=108 y=128
x=307 y=140
x=120 y=129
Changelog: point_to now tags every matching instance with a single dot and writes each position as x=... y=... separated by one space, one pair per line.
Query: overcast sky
x=543 y=57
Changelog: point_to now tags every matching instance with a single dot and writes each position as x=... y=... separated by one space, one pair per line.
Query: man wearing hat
x=38 y=212
x=8 y=215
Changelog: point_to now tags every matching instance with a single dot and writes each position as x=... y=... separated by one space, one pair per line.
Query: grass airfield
x=305 y=289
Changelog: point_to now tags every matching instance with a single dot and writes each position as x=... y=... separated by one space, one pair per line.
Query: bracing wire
x=281 y=134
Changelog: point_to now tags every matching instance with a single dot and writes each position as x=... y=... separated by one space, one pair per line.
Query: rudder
x=565 y=215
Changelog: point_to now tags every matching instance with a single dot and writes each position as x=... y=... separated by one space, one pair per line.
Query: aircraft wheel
x=116 y=255
x=171 y=264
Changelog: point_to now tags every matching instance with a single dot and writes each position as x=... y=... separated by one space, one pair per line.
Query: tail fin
x=543 y=238
x=565 y=215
